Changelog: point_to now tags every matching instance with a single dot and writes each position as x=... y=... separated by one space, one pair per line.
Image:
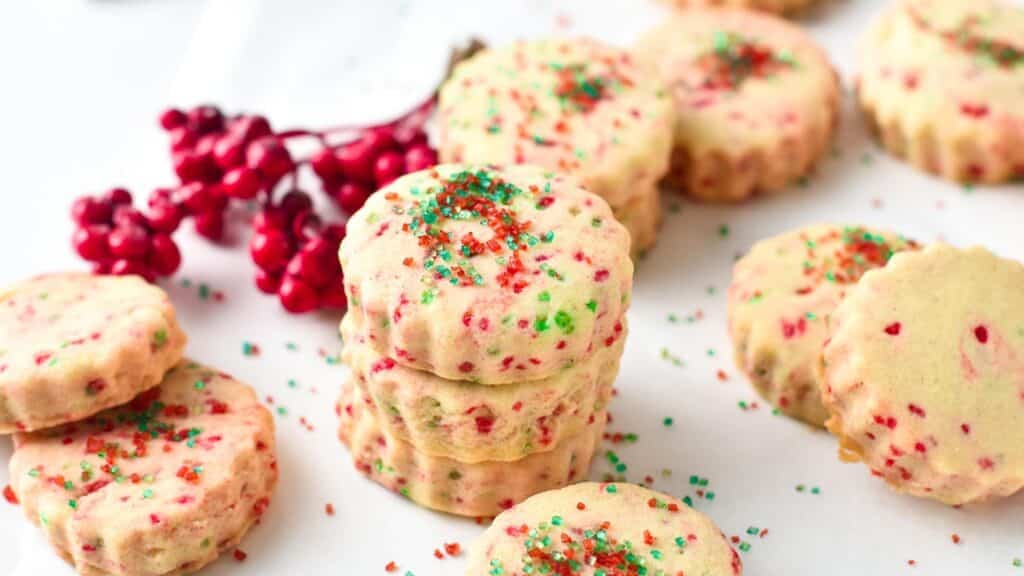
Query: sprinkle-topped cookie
x=924 y=374
x=942 y=83
x=493 y=275
x=593 y=529
x=773 y=6
x=74 y=344
x=574 y=106
x=757 y=100
x=781 y=296
x=159 y=486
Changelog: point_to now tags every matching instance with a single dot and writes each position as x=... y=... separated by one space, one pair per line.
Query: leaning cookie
x=575 y=106
x=492 y=275
x=471 y=423
x=592 y=529
x=774 y=6
x=757 y=101
x=159 y=486
x=781 y=296
x=924 y=374
x=941 y=84
x=74 y=344
x=478 y=489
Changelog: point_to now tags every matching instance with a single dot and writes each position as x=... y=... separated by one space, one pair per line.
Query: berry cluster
x=220 y=159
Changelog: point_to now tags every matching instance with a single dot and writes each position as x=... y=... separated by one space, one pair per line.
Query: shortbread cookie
x=757 y=101
x=941 y=82
x=159 y=486
x=485 y=274
x=774 y=6
x=480 y=489
x=471 y=423
x=924 y=374
x=74 y=344
x=641 y=216
x=781 y=296
x=593 y=529
x=575 y=106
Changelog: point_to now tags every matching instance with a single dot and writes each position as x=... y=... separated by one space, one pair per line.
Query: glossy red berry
x=249 y=128
x=88 y=210
x=102 y=267
x=270 y=249
x=297 y=296
x=325 y=165
x=356 y=161
x=229 y=151
x=117 y=196
x=270 y=218
x=128 y=242
x=305 y=225
x=159 y=196
x=334 y=233
x=311 y=268
x=172 y=118
x=269 y=156
x=196 y=197
x=164 y=217
x=192 y=166
x=295 y=201
x=387 y=167
x=125 y=267
x=333 y=297
x=125 y=216
x=407 y=139
x=164 y=258
x=419 y=158
x=209 y=225
x=182 y=138
x=351 y=196
x=242 y=183
x=205 y=119
x=267 y=282
x=91 y=242
x=379 y=139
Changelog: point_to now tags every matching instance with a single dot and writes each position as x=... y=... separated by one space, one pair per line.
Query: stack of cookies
x=131 y=459
x=486 y=321
x=577 y=106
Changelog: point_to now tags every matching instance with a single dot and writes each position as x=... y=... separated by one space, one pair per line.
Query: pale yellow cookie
x=593 y=529
x=479 y=489
x=491 y=275
x=942 y=83
x=756 y=98
x=924 y=374
x=472 y=423
x=159 y=486
x=74 y=344
x=781 y=296
x=641 y=216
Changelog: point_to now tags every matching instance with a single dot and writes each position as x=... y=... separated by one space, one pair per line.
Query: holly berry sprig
x=220 y=160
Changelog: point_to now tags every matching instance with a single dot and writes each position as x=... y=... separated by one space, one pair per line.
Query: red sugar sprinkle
x=438 y=554
x=956 y=538
x=10 y=496
x=329 y=509
x=965 y=428
x=981 y=333
x=239 y=555
x=390 y=567
x=452 y=548
x=916 y=410
x=581 y=506
x=893 y=329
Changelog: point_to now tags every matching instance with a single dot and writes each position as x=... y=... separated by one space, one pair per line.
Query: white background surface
x=80 y=88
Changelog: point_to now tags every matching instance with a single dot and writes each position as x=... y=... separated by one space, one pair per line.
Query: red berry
x=325 y=165
x=205 y=119
x=270 y=249
x=351 y=196
x=334 y=233
x=164 y=256
x=102 y=267
x=296 y=296
x=125 y=216
x=333 y=297
x=229 y=151
x=379 y=140
x=159 y=196
x=88 y=210
x=124 y=267
x=419 y=158
x=249 y=128
x=128 y=242
x=387 y=167
x=242 y=183
x=320 y=247
x=270 y=219
x=356 y=161
x=410 y=138
x=172 y=118
x=209 y=225
x=295 y=201
x=91 y=242
x=305 y=225
x=193 y=166
x=311 y=268
x=267 y=282
x=117 y=196
x=196 y=197
x=269 y=156
x=182 y=139
x=164 y=217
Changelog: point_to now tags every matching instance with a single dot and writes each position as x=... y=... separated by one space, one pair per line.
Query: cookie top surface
x=781 y=296
x=494 y=275
x=575 y=106
x=589 y=527
x=740 y=80
x=179 y=469
x=73 y=344
x=925 y=372
x=956 y=66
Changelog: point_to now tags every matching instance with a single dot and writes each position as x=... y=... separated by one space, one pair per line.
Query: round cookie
x=756 y=98
x=941 y=83
x=781 y=296
x=159 y=486
x=924 y=374
x=593 y=529
x=74 y=344
x=492 y=275
x=576 y=106
x=481 y=489
x=471 y=423
x=773 y=6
